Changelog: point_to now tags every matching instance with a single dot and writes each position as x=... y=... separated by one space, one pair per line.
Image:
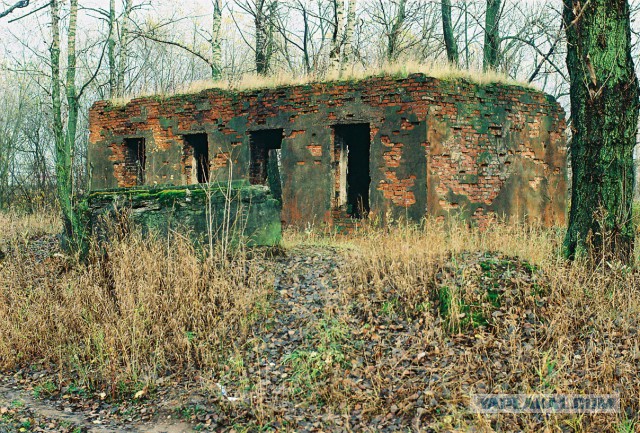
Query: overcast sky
x=34 y=28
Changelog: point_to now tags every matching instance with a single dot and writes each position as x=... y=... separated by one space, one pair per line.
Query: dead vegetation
x=138 y=309
x=393 y=328
x=440 y=70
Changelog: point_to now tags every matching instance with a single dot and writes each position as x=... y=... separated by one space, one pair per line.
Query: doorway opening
x=353 y=143
x=135 y=159
x=196 y=154
x=263 y=142
x=265 y=167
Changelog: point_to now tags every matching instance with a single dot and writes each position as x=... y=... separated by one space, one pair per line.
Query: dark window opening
x=196 y=152
x=354 y=143
x=265 y=167
x=265 y=156
x=134 y=160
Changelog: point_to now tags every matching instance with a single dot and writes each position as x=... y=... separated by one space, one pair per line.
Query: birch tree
x=64 y=142
x=263 y=14
x=113 y=73
x=216 y=40
x=336 y=38
x=347 y=57
x=65 y=132
x=125 y=32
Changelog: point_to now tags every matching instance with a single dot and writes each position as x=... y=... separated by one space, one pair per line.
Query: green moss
x=484 y=158
x=254 y=213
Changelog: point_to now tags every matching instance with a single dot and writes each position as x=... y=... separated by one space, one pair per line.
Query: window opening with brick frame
x=196 y=157
x=135 y=160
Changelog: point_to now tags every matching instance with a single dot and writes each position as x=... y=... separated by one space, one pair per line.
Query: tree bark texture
x=491 y=52
x=216 y=41
x=604 y=109
x=111 y=52
x=347 y=54
x=396 y=28
x=336 y=37
x=447 y=31
x=263 y=20
x=124 y=49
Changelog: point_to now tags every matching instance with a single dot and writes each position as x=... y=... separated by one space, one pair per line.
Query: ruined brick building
x=379 y=147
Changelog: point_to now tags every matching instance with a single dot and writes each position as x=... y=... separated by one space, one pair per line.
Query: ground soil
x=400 y=381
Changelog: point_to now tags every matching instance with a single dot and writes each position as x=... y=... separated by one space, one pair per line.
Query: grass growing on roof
x=439 y=70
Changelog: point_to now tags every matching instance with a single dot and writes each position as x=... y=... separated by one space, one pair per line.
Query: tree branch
x=18 y=5
x=30 y=13
x=173 y=43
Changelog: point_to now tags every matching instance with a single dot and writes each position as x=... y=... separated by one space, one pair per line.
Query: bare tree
x=264 y=15
x=125 y=32
x=447 y=31
x=347 y=57
x=492 y=35
x=113 y=74
x=163 y=33
x=65 y=138
x=16 y=5
x=393 y=35
x=336 y=38
x=216 y=40
x=399 y=21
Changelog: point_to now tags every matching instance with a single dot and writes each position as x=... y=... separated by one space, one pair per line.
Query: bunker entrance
x=196 y=152
x=353 y=143
x=135 y=159
x=265 y=167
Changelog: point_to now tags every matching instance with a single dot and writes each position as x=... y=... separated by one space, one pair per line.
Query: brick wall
x=437 y=147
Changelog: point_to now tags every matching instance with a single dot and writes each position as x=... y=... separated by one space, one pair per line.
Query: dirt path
x=304 y=289
x=21 y=412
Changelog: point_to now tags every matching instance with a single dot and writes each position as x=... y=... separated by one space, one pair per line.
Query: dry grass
x=139 y=308
x=555 y=328
x=443 y=71
x=415 y=321
x=16 y=225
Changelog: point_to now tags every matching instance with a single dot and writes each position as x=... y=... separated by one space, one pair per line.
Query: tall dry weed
x=499 y=311
x=139 y=308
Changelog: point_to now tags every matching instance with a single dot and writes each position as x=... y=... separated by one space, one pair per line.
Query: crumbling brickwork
x=436 y=147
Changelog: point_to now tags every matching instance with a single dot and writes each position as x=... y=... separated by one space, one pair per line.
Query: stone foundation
x=242 y=212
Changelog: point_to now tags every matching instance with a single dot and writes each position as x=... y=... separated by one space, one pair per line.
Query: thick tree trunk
x=492 y=35
x=604 y=108
x=396 y=28
x=447 y=31
x=305 y=42
x=63 y=158
x=263 y=20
